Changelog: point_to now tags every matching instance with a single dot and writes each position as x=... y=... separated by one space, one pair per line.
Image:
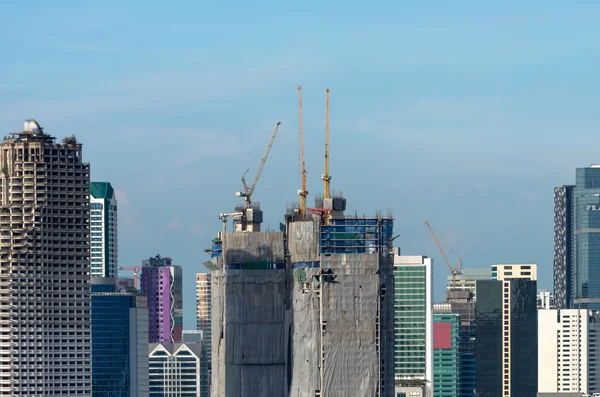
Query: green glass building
x=445 y=354
x=413 y=324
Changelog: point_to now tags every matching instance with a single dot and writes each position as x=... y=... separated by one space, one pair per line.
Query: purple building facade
x=162 y=285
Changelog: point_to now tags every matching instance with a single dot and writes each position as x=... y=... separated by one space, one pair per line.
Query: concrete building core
x=251 y=316
x=44 y=265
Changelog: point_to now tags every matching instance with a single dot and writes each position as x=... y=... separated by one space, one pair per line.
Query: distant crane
x=135 y=270
x=302 y=192
x=455 y=270
x=247 y=193
x=326 y=177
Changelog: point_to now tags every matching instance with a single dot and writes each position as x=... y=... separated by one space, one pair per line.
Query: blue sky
x=465 y=114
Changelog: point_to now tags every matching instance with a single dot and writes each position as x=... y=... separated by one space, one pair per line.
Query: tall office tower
x=468 y=279
x=343 y=301
x=413 y=324
x=251 y=318
x=103 y=226
x=119 y=340
x=162 y=285
x=563 y=245
x=175 y=370
x=445 y=352
x=568 y=351
x=506 y=345
x=44 y=266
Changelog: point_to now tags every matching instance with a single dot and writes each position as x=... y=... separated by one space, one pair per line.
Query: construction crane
x=223 y=218
x=326 y=177
x=247 y=193
x=302 y=192
x=455 y=270
x=135 y=270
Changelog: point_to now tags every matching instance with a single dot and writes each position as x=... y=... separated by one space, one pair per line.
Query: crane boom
x=454 y=270
x=302 y=192
x=326 y=177
x=248 y=191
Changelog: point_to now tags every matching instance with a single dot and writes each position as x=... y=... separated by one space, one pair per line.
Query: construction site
x=306 y=311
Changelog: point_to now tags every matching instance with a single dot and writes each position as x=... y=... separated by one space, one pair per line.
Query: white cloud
x=175 y=224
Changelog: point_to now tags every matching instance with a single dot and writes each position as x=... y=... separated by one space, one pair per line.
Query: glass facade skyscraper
x=413 y=323
x=506 y=346
x=445 y=354
x=577 y=241
x=119 y=341
x=103 y=230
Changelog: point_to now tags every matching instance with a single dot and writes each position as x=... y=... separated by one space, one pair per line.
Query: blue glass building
x=577 y=241
x=119 y=341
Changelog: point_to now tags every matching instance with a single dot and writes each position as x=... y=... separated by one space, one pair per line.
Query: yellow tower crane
x=302 y=192
x=326 y=177
x=454 y=270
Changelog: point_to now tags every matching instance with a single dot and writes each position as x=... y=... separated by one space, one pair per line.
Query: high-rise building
x=162 y=286
x=44 y=266
x=203 y=304
x=506 y=345
x=467 y=280
x=445 y=353
x=563 y=246
x=103 y=230
x=568 y=351
x=343 y=302
x=119 y=340
x=413 y=324
x=576 y=241
x=175 y=369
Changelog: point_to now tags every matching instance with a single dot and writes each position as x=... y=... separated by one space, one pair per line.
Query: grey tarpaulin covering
x=250 y=326
x=304 y=241
x=306 y=347
x=252 y=247
x=354 y=358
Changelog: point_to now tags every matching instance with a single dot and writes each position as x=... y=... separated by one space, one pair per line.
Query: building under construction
x=343 y=333
x=307 y=311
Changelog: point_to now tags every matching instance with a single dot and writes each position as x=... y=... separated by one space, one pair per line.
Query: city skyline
x=477 y=114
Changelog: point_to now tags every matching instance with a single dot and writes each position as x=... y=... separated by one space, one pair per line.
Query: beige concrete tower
x=44 y=266
x=203 y=305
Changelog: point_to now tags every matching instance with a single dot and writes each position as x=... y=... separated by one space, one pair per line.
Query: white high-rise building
x=44 y=266
x=413 y=324
x=103 y=216
x=569 y=351
x=175 y=369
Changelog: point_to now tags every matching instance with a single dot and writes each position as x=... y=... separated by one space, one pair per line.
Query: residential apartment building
x=203 y=304
x=413 y=324
x=506 y=345
x=445 y=353
x=119 y=340
x=175 y=369
x=569 y=351
x=44 y=265
x=162 y=286
x=103 y=230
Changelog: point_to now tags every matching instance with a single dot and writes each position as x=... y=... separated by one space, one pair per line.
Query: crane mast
x=302 y=192
x=326 y=177
x=247 y=193
x=453 y=270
